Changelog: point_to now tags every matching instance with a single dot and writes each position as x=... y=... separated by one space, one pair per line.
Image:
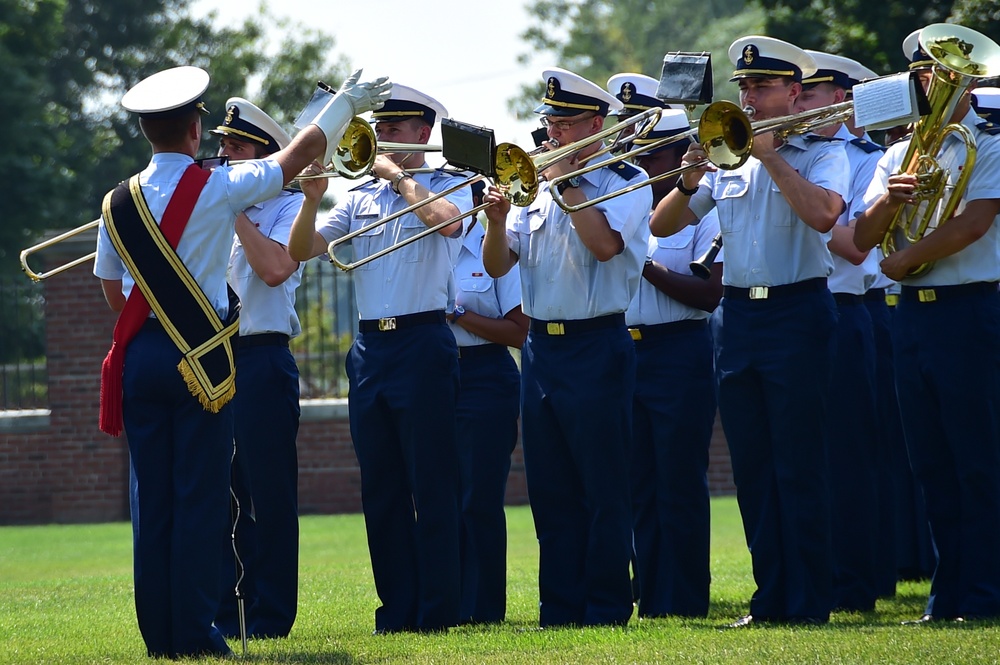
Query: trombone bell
x=355 y=153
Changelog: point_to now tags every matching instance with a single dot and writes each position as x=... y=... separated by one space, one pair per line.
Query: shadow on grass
x=333 y=658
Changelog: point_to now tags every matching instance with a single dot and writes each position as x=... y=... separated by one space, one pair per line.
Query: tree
x=604 y=37
x=872 y=32
x=66 y=141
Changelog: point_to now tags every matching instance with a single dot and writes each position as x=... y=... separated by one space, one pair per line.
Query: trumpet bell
x=355 y=154
x=516 y=174
x=725 y=134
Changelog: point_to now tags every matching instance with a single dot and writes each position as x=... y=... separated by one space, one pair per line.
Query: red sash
x=136 y=310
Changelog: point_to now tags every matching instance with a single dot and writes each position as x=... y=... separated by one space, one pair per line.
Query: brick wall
x=58 y=467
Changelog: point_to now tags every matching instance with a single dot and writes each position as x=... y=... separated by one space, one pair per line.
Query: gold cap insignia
x=627 y=90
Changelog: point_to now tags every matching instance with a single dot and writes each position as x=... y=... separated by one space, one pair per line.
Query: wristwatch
x=684 y=190
x=402 y=175
x=569 y=182
x=457 y=313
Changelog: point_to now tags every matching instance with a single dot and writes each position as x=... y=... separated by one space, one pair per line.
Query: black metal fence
x=328 y=313
x=324 y=300
x=23 y=379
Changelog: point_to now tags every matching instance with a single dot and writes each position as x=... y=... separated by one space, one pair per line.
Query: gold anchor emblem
x=627 y=92
x=552 y=87
x=748 y=54
x=229 y=115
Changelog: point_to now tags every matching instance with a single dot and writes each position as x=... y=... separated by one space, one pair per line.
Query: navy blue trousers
x=265 y=481
x=852 y=449
x=488 y=408
x=179 y=500
x=948 y=382
x=576 y=418
x=773 y=366
x=672 y=416
x=404 y=387
x=911 y=544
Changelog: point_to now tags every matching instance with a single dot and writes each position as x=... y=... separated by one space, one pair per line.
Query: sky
x=461 y=52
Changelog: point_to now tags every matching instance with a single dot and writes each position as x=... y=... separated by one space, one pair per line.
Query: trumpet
x=39 y=276
x=516 y=174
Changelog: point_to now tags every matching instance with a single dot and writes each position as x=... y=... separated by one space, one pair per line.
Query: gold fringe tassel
x=196 y=389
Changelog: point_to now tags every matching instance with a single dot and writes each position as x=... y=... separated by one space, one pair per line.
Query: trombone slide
x=39 y=276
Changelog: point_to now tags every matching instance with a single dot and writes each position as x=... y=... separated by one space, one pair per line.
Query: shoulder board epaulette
x=866 y=145
x=988 y=127
x=820 y=137
x=373 y=181
x=626 y=171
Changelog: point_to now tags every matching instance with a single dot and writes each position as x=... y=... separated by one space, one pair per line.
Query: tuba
x=961 y=55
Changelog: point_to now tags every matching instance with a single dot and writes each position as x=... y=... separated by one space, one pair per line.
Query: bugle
x=39 y=276
x=960 y=56
x=516 y=174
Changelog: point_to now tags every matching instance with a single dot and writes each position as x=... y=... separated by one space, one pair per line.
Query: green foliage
x=66 y=597
x=872 y=32
x=66 y=141
x=605 y=37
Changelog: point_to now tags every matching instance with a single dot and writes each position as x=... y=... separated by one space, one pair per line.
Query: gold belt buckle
x=926 y=295
x=758 y=293
x=388 y=323
x=891 y=299
x=636 y=333
x=555 y=328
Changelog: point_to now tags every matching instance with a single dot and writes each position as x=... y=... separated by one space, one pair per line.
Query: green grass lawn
x=66 y=597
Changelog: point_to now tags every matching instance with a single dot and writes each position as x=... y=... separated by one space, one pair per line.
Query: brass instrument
x=724 y=133
x=516 y=174
x=39 y=276
x=960 y=56
x=357 y=149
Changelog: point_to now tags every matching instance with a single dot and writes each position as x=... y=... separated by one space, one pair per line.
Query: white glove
x=352 y=98
x=367 y=96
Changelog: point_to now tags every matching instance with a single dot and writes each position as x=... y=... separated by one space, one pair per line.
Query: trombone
x=516 y=173
x=725 y=134
x=39 y=276
x=357 y=149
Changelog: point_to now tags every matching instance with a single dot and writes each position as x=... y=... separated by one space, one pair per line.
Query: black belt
x=391 y=323
x=875 y=295
x=848 y=299
x=480 y=350
x=262 y=339
x=658 y=330
x=950 y=292
x=771 y=292
x=574 y=326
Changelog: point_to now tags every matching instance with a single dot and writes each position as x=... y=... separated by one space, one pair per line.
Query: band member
x=674 y=406
x=949 y=390
x=773 y=346
x=169 y=377
x=579 y=271
x=402 y=368
x=266 y=405
x=852 y=431
x=486 y=320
